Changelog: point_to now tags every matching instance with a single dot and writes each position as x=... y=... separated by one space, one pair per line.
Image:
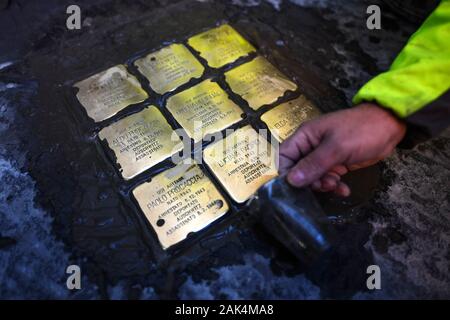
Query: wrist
x=387 y=120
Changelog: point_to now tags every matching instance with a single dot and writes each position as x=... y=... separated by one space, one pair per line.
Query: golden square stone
x=169 y=68
x=179 y=201
x=204 y=109
x=284 y=119
x=140 y=141
x=106 y=93
x=258 y=82
x=220 y=46
x=242 y=162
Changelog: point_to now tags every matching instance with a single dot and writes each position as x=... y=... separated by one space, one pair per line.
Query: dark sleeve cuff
x=428 y=122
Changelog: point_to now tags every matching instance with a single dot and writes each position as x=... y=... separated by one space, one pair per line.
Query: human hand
x=324 y=149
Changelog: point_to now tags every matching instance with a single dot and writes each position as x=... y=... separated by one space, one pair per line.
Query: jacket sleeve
x=416 y=86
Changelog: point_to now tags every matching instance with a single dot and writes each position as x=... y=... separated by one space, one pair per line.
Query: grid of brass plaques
x=242 y=162
x=169 y=68
x=182 y=199
x=179 y=201
x=285 y=118
x=141 y=140
x=106 y=93
x=204 y=109
x=220 y=46
x=258 y=82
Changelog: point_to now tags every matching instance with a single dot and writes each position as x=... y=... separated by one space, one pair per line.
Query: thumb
x=315 y=165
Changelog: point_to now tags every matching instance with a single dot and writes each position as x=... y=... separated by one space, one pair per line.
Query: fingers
x=284 y=164
x=331 y=182
x=342 y=190
x=311 y=168
x=339 y=169
x=308 y=157
x=293 y=149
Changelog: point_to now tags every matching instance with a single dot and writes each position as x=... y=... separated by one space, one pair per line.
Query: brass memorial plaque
x=179 y=201
x=258 y=82
x=141 y=140
x=106 y=93
x=242 y=162
x=204 y=109
x=220 y=46
x=169 y=68
x=284 y=119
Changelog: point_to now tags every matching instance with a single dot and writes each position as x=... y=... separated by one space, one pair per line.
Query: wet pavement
x=62 y=202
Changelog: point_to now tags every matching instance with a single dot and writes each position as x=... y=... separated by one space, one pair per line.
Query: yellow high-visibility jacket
x=416 y=86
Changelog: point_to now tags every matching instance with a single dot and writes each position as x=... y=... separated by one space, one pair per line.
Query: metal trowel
x=294 y=217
